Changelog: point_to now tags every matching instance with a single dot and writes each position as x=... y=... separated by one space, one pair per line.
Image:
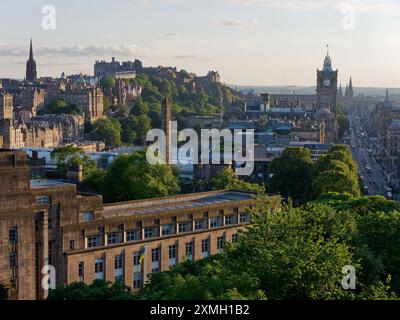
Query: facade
x=89 y=99
x=48 y=223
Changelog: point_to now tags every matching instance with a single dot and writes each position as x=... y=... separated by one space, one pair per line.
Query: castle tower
x=166 y=126
x=31 y=74
x=327 y=86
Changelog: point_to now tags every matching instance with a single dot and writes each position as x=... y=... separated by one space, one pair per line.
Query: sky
x=249 y=42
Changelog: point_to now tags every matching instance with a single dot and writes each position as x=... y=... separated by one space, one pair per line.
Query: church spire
x=31 y=51
x=31 y=74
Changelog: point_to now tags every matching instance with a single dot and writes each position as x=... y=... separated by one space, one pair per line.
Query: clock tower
x=327 y=86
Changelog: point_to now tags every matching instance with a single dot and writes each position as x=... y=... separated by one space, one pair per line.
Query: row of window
x=155 y=259
x=167 y=229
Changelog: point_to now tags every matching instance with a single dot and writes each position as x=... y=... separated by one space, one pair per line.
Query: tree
x=285 y=253
x=68 y=156
x=227 y=179
x=131 y=177
x=292 y=173
x=98 y=290
x=337 y=177
x=107 y=130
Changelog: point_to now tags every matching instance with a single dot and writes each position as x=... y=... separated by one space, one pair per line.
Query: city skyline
x=224 y=35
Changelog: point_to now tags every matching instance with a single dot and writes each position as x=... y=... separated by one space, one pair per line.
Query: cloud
x=72 y=51
x=386 y=7
x=169 y=34
x=234 y=23
x=187 y=56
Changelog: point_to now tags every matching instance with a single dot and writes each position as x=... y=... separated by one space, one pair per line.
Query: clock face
x=327 y=83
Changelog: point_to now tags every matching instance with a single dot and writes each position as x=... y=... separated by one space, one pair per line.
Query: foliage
x=342 y=120
x=131 y=177
x=98 y=290
x=292 y=173
x=228 y=180
x=286 y=253
x=107 y=130
x=68 y=156
x=59 y=106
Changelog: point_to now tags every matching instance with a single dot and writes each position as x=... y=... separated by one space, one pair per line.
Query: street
x=373 y=179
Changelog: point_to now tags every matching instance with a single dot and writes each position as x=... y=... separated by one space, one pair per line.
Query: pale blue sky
x=250 y=42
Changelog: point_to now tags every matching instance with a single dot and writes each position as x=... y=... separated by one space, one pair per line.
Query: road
x=374 y=182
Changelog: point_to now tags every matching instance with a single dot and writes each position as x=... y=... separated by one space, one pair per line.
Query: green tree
x=292 y=173
x=107 y=130
x=68 y=156
x=337 y=178
x=98 y=290
x=131 y=177
x=226 y=179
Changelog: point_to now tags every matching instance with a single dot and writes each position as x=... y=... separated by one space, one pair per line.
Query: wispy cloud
x=387 y=7
x=186 y=56
x=73 y=51
x=169 y=34
x=234 y=22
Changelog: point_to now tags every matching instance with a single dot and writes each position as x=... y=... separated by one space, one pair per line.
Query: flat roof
x=36 y=184
x=190 y=201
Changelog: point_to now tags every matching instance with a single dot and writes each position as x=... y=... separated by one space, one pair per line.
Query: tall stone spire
x=31 y=74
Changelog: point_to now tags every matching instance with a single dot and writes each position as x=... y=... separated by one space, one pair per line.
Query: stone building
x=89 y=100
x=49 y=223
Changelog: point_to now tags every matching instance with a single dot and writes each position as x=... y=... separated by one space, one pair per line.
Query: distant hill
x=367 y=91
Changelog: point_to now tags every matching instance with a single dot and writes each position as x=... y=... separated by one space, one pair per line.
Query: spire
x=31 y=51
x=387 y=98
x=327 y=61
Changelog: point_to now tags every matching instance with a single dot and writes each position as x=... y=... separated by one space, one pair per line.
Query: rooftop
x=37 y=184
x=190 y=201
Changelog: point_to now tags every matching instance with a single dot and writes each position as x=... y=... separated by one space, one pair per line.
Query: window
x=137 y=280
x=81 y=271
x=93 y=241
x=112 y=238
x=136 y=258
x=182 y=227
x=166 y=229
x=72 y=245
x=88 y=216
x=13 y=260
x=205 y=214
x=99 y=266
x=228 y=220
x=156 y=221
x=215 y=222
x=234 y=238
x=205 y=245
x=13 y=234
x=198 y=225
x=172 y=251
x=155 y=270
x=41 y=200
x=244 y=217
x=221 y=212
x=185 y=227
x=235 y=210
x=155 y=255
x=119 y=262
x=132 y=235
x=189 y=249
x=220 y=243
x=148 y=233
